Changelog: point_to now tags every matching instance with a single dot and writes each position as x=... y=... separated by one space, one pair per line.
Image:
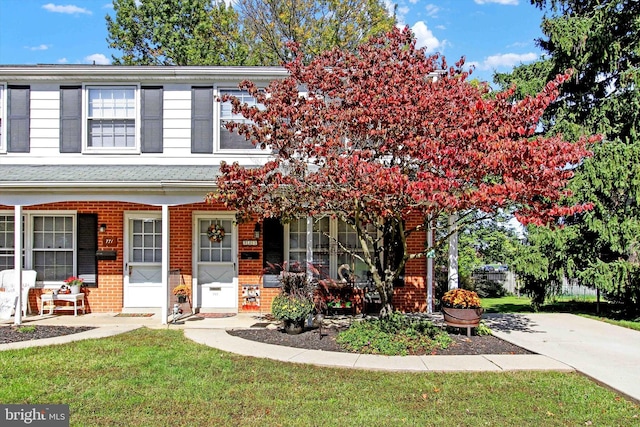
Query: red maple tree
x=387 y=133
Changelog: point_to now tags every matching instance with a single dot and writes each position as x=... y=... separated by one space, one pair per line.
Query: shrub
x=396 y=335
x=490 y=289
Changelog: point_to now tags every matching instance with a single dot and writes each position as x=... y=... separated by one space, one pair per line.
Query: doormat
x=134 y=315
x=215 y=315
x=260 y=325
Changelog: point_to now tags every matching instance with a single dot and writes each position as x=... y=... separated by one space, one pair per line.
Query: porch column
x=165 y=264
x=309 y=247
x=453 y=251
x=17 y=261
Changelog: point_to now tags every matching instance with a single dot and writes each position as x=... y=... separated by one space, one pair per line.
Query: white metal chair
x=9 y=301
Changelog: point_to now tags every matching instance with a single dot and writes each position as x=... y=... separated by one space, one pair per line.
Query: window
x=6 y=242
x=111 y=118
x=147 y=240
x=334 y=243
x=2 y=121
x=212 y=251
x=231 y=140
x=53 y=246
x=49 y=248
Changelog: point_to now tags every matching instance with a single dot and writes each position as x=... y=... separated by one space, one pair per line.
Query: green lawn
x=159 y=378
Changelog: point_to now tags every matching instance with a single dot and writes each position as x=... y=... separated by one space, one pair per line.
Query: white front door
x=215 y=263
x=143 y=260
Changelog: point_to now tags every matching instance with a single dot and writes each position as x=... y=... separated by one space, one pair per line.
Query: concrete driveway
x=609 y=354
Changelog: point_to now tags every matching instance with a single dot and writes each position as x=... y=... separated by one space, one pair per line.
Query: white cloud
x=509 y=2
x=97 y=59
x=441 y=27
x=506 y=60
x=432 y=10
x=425 y=38
x=62 y=61
x=69 y=9
x=40 y=47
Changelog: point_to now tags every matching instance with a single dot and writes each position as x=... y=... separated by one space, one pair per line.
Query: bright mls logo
x=34 y=415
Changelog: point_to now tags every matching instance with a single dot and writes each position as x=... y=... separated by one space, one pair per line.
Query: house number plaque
x=110 y=242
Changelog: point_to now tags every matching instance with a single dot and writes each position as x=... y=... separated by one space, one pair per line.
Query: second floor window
x=1 y=116
x=231 y=140
x=111 y=117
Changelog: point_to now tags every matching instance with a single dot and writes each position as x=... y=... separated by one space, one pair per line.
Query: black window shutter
x=70 y=119
x=151 y=135
x=202 y=120
x=87 y=247
x=18 y=104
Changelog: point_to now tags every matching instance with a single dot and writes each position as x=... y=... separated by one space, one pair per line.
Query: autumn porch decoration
x=182 y=292
x=461 y=308
x=215 y=233
x=293 y=310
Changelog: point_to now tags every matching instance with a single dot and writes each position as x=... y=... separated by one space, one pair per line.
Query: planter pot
x=462 y=317
x=75 y=289
x=182 y=299
x=294 y=327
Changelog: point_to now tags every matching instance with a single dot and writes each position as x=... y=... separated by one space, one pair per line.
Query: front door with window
x=215 y=263
x=143 y=261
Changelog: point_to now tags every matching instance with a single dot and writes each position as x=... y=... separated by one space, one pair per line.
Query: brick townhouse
x=108 y=167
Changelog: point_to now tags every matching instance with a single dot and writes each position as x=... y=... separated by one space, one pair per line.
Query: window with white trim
x=111 y=118
x=53 y=247
x=231 y=140
x=2 y=120
x=335 y=244
x=7 y=247
x=147 y=240
x=212 y=250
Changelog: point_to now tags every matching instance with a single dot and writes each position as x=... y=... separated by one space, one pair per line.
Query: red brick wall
x=412 y=297
x=108 y=296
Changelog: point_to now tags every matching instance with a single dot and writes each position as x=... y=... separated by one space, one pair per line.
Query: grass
x=158 y=377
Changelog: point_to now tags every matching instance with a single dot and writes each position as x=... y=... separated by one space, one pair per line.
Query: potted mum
x=182 y=292
x=292 y=310
x=461 y=308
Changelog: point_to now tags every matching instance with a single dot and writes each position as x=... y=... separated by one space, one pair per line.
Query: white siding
x=45 y=126
x=45 y=119
x=177 y=120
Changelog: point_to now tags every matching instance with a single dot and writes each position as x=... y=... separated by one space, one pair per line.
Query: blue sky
x=491 y=34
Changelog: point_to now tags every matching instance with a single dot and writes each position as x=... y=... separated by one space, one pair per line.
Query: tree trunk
x=386 y=299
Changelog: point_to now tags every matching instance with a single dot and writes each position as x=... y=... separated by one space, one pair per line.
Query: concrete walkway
x=563 y=342
x=609 y=354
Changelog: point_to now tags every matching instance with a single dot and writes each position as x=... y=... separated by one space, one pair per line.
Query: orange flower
x=461 y=298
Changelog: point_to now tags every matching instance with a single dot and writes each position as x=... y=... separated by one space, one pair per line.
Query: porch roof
x=149 y=184
x=19 y=175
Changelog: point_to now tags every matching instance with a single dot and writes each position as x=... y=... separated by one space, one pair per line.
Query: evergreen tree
x=600 y=41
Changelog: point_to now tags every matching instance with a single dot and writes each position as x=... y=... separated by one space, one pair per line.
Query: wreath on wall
x=215 y=233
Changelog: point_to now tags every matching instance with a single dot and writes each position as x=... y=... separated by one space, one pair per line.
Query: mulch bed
x=10 y=334
x=312 y=340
